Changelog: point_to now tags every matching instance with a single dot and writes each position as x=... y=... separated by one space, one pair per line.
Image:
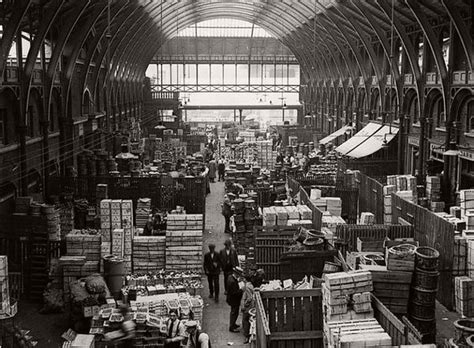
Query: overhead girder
x=462 y=30
x=120 y=13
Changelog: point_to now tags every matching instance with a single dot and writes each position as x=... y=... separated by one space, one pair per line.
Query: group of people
x=239 y=287
x=216 y=167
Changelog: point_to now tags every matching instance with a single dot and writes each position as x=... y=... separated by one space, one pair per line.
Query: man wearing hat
x=229 y=259
x=212 y=268
x=234 y=296
x=196 y=338
x=227 y=211
x=175 y=330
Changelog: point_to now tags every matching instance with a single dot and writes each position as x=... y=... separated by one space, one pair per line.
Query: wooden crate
x=289 y=318
x=270 y=243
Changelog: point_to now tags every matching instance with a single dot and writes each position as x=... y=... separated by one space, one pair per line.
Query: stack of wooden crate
x=357 y=333
x=5 y=306
x=184 y=242
x=346 y=295
x=460 y=256
x=387 y=202
x=142 y=212
x=464 y=296
x=148 y=253
x=81 y=243
x=391 y=287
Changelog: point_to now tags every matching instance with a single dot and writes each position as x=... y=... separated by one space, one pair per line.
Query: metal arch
x=385 y=45
x=462 y=30
x=10 y=30
x=136 y=19
x=409 y=51
x=311 y=34
x=94 y=45
x=430 y=35
x=131 y=19
x=350 y=43
x=128 y=44
x=367 y=45
x=61 y=43
x=40 y=36
x=126 y=39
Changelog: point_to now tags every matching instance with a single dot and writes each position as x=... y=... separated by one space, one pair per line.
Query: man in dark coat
x=212 y=268
x=234 y=296
x=229 y=260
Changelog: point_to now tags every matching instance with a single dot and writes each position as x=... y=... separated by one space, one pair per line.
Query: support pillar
x=23 y=165
x=45 y=133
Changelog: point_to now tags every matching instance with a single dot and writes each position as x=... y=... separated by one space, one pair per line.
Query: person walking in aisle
x=221 y=169
x=227 y=211
x=234 y=296
x=176 y=331
x=229 y=260
x=196 y=338
x=212 y=268
x=212 y=170
x=248 y=303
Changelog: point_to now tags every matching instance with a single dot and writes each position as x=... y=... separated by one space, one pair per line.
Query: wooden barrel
x=426 y=258
x=422 y=311
x=424 y=296
x=426 y=279
x=424 y=326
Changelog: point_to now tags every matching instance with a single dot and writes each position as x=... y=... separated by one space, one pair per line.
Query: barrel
x=463 y=328
x=424 y=326
x=424 y=296
x=426 y=258
x=422 y=310
x=426 y=279
x=114 y=274
x=312 y=243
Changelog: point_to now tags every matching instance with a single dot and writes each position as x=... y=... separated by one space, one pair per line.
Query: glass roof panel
x=224 y=27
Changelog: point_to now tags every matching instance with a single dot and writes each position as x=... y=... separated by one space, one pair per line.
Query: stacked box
x=331 y=222
x=334 y=205
x=437 y=206
x=126 y=210
x=357 y=333
x=470 y=257
x=269 y=216
x=118 y=242
x=342 y=290
x=282 y=215
x=6 y=308
x=105 y=218
x=184 y=242
x=66 y=218
x=116 y=213
x=387 y=203
x=433 y=188
x=466 y=198
x=392 y=288
x=148 y=253
x=464 y=296
x=367 y=218
x=105 y=249
x=460 y=256
x=78 y=243
x=179 y=222
x=143 y=211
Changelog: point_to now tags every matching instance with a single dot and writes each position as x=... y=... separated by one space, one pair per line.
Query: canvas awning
x=358 y=138
x=368 y=141
x=334 y=135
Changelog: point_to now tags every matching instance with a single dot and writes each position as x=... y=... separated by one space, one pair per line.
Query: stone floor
x=216 y=315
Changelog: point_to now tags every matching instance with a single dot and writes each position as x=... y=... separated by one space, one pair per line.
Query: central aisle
x=216 y=315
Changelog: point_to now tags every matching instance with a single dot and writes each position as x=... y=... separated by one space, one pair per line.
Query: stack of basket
x=422 y=308
x=243 y=237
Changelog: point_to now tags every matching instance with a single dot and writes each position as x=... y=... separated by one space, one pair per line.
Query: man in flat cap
x=229 y=259
x=196 y=338
x=212 y=268
x=234 y=296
